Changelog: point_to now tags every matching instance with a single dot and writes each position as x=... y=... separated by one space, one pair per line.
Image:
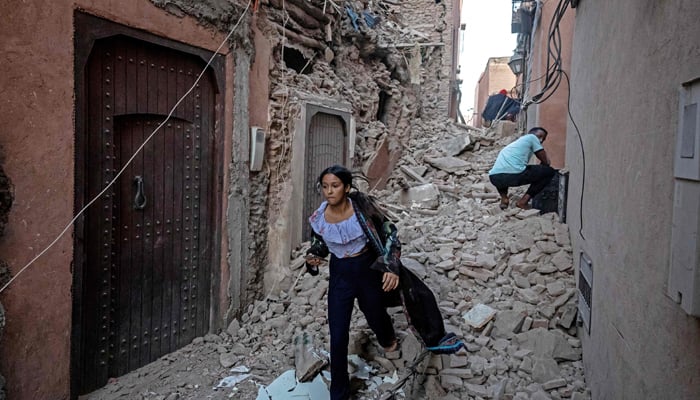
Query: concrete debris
x=423 y=196
x=456 y=146
x=448 y=164
x=479 y=315
x=503 y=279
x=307 y=360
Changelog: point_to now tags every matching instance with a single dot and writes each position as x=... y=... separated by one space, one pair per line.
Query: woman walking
x=364 y=263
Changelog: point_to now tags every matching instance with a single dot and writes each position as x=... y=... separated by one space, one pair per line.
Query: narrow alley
x=504 y=281
x=160 y=162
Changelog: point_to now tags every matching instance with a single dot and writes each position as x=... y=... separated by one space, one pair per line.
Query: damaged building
x=162 y=155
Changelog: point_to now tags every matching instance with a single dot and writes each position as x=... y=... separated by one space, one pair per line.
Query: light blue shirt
x=513 y=158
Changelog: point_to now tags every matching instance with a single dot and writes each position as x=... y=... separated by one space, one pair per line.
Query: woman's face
x=334 y=190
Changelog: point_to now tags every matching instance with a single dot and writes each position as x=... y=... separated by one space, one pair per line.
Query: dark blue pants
x=538 y=176
x=351 y=278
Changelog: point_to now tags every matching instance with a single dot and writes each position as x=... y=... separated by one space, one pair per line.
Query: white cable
x=63 y=232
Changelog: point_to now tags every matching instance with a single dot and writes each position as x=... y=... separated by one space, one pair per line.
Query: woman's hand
x=390 y=281
x=314 y=260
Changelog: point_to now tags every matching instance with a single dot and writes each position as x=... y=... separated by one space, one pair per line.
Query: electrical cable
x=553 y=76
x=553 y=70
x=138 y=150
x=583 y=156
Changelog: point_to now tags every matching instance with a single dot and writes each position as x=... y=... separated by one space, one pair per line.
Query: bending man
x=511 y=167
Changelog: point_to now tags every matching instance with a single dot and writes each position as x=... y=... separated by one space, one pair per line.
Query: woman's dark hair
x=341 y=172
x=366 y=203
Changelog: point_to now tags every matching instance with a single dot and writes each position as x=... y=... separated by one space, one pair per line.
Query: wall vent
x=585 y=290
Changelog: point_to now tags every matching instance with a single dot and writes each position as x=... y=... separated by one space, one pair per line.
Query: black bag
x=420 y=307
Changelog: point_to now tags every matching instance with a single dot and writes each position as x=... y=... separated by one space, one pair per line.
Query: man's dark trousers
x=537 y=176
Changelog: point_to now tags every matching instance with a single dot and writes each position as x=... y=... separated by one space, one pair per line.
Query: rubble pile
x=503 y=279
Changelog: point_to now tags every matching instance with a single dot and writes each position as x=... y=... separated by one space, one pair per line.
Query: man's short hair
x=538 y=128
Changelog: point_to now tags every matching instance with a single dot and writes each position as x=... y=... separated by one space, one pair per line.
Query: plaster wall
x=37 y=139
x=552 y=113
x=286 y=231
x=641 y=344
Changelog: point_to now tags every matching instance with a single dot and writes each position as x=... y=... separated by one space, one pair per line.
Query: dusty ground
x=516 y=265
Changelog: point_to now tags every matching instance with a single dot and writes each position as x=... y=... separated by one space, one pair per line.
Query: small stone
x=211 y=338
x=233 y=327
x=450 y=382
x=479 y=315
x=477 y=390
x=554 y=384
x=464 y=373
x=228 y=360
x=522 y=353
x=556 y=288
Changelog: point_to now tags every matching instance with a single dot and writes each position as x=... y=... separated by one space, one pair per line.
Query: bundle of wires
x=553 y=71
x=552 y=78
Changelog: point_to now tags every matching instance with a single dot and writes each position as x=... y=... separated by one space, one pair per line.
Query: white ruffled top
x=344 y=238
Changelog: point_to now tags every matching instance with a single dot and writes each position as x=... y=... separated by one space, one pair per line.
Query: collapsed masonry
x=391 y=62
x=388 y=60
x=504 y=282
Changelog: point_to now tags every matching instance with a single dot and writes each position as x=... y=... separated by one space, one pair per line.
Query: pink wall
x=260 y=78
x=551 y=114
x=36 y=53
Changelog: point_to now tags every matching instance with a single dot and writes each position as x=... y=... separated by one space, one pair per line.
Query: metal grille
x=585 y=290
x=325 y=146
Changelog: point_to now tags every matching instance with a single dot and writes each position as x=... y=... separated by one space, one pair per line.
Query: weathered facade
x=635 y=66
x=88 y=82
x=370 y=71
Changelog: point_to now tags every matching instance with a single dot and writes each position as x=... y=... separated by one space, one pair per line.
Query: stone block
x=457 y=145
x=479 y=315
x=464 y=373
x=545 y=369
x=423 y=196
x=447 y=164
x=554 y=384
x=504 y=128
x=508 y=323
x=477 y=390
x=450 y=382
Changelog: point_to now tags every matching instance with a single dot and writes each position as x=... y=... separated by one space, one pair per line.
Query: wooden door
x=326 y=140
x=148 y=239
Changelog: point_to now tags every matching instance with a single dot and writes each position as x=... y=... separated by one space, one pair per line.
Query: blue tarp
x=508 y=108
